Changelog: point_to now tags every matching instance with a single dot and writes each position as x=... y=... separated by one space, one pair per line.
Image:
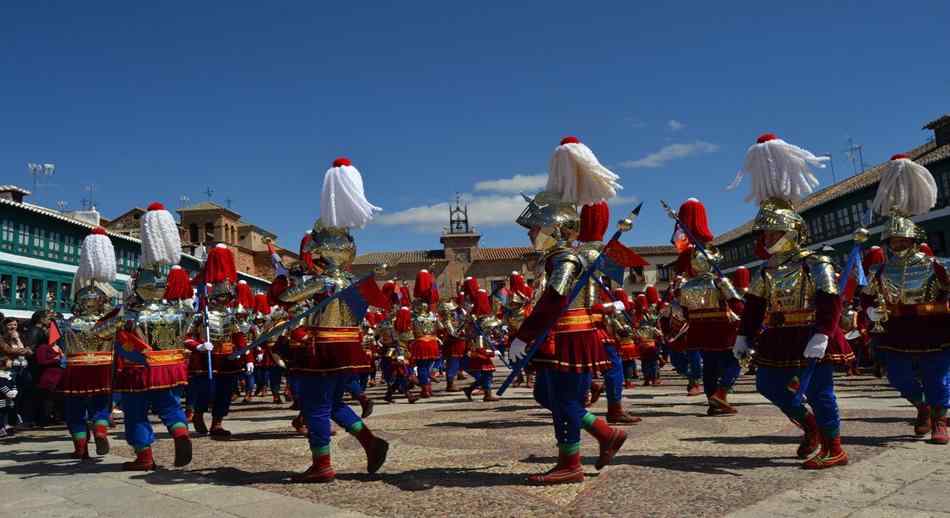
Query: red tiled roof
x=939 y=122
x=502 y=253
x=407 y=257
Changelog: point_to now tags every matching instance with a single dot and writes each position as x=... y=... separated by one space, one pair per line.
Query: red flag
x=624 y=256
x=54 y=334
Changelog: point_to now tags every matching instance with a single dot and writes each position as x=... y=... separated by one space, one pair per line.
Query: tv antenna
x=228 y=202
x=89 y=202
x=855 y=154
x=38 y=171
x=62 y=205
x=209 y=192
x=831 y=162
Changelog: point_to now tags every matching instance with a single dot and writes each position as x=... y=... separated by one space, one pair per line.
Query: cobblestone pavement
x=453 y=457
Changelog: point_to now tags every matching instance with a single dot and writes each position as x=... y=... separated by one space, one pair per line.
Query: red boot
x=300 y=425
x=376 y=449
x=609 y=439
x=143 y=461
x=617 y=415
x=938 y=431
x=596 y=389
x=277 y=399
x=694 y=388
x=922 y=423
x=182 y=446
x=198 y=421
x=100 y=434
x=568 y=470
x=217 y=430
x=811 y=439
x=81 y=449
x=320 y=472
x=424 y=391
x=719 y=403
x=829 y=456
x=629 y=385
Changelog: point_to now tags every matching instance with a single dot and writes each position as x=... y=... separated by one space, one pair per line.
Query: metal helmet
x=703 y=263
x=150 y=284
x=902 y=226
x=332 y=247
x=90 y=300
x=557 y=220
x=776 y=214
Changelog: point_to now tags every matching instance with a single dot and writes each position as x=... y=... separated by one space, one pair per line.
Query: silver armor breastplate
x=908 y=281
x=701 y=292
x=337 y=313
x=163 y=326
x=424 y=324
x=221 y=325
x=78 y=336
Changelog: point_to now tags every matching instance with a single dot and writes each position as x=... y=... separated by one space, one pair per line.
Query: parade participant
x=564 y=371
x=595 y=219
x=424 y=346
x=150 y=367
x=220 y=333
x=267 y=359
x=87 y=380
x=626 y=342
x=452 y=329
x=648 y=335
x=907 y=294
x=516 y=309
x=712 y=307
x=795 y=295
x=335 y=347
x=244 y=313
x=484 y=331
x=687 y=359
x=396 y=336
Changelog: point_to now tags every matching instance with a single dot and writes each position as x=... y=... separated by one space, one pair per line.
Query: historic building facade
x=832 y=214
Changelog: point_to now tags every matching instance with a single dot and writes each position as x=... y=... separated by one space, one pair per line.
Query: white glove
x=250 y=367
x=260 y=357
x=816 y=346
x=874 y=314
x=491 y=354
x=741 y=348
x=401 y=359
x=518 y=349
x=206 y=347
x=11 y=394
x=619 y=306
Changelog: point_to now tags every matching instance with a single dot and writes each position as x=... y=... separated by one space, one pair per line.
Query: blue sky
x=433 y=98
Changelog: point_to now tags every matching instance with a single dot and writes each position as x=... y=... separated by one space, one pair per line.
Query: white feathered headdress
x=578 y=176
x=343 y=202
x=96 y=262
x=906 y=188
x=778 y=170
x=161 y=243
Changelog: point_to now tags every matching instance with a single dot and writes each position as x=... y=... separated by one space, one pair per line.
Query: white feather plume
x=343 y=202
x=161 y=243
x=906 y=188
x=579 y=177
x=96 y=259
x=779 y=170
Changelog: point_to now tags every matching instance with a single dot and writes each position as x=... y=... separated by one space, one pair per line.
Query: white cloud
x=518 y=183
x=485 y=211
x=675 y=125
x=670 y=152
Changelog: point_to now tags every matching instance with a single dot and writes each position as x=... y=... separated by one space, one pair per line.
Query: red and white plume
x=482 y=304
x=161 y=243
x=595 y=219
x=576 y=174
x=220 y=265
x=343 y=202
x=261 y=305
x=178 y=286
x=778 y=170
x=517 y=284
x=424 y=287
x=692 y=216
x=741 y=278
x=96 y=259
x=906 y=188
x=245 y=298
x=652 y=294
x=470 y=287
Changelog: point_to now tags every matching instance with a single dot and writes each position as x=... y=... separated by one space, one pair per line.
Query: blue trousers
x=79 y=410
x=389 y=370
x=630 y=369
x=775 y=385
x=214 y=393
x=439 y=365
x=688 y=364
x=613 y=377
x=423 y=367
x=293 y=383
x=322 y=400
x=249 y=382
x=452 y=366
x=273 y=376
x=928 y=383
x=720 y=369
x=563 y=393
x=353 y=385
x=650 y=368
x=483 y=379
x=136 y=406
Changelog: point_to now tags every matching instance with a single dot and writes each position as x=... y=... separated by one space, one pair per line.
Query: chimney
x=13 y=193
x=941 y=129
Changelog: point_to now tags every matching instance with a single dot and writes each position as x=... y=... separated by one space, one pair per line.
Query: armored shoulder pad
x=822 y=271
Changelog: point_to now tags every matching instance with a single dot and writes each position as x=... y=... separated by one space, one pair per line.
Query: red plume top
x=373 y=318
x=403 y=320
x=277 y=287
x=178 y=286
x=305 y=255
x=482 y=304
x=220 y=265
x=873 y=256
x=460 y=299
x=652 y=295
x=518 y=285
x=684 y=262
x=642 y=302
x=261 y=304
x=619 y=294
x=342 y=161
x=470 y=287
x=594 y=222
x=741 y=278
x=155 y=206
x=765 y=137
x=570 y=140
x=692 y=216
x=389 y=291
x=245 y=297
x=404 y=298
x=900 y=156
x=925 y=248
x=98 y=231
x=424 y=288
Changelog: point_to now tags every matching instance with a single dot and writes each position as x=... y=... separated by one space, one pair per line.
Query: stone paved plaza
x=450 y=457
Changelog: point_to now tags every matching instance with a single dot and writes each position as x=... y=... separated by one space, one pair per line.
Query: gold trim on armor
x=341 y=334
x=89 y=358
x=708 y=314
x=164 y=357
x=919 y=310
x=800 y=318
